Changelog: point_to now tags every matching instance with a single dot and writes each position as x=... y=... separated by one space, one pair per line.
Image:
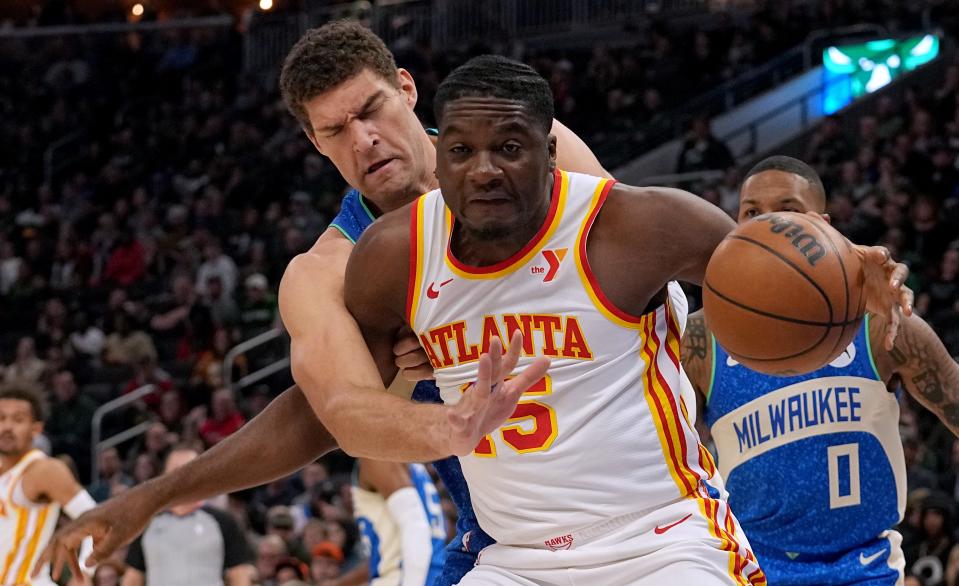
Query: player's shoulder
x=45 y=471
x=634 y=213
x=389 y=234
x=646 y=199
x=324 y=261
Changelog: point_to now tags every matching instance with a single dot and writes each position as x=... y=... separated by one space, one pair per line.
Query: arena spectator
x=87 y=339
x=270 y=551
x=326 y=561
x=216 y=264
x=701 y=151
x=110 y=468
x=69 y=422
x=109 y=573
x=224 y=418
x=258 y=311
x=26 y=367
x=126 y=346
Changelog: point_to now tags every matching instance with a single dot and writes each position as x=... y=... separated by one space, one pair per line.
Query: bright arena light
x=137 y=9
x=266 y=4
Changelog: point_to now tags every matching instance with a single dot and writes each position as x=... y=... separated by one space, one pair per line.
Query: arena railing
x=259 y=374
x=98 y=444
x=445 y=22
x=115 y=27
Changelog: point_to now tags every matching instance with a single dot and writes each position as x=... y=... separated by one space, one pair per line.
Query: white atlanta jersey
x=25 y=527
x=605 y=434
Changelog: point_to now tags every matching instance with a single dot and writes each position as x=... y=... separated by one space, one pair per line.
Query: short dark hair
x=796 y=167
x=498 y=77
x=327 y=56
x=19 y=392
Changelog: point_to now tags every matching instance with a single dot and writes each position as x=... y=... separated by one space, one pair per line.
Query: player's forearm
x=279 y=441
x=927 y=370
x=938 y=389
x=371 y=423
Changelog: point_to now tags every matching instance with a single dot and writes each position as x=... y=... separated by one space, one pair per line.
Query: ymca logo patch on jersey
x=554 y=258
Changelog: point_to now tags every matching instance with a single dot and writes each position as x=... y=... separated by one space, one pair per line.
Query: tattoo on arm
x=695 y=351
x=927 y=370
x=696 y=331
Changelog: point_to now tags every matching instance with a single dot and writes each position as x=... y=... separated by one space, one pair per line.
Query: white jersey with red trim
x=25 y=527
x=604 y=434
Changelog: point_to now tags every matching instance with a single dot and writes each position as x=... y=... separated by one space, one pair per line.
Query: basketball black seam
x=774 y=359
x=794 y=266
x=803 y=322
x=796 y=355
x=845 y=282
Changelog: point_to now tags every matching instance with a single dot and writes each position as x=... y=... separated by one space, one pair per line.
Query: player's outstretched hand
x=112 y=525
x=411 y=359
x=492 y=398
x=885 y=289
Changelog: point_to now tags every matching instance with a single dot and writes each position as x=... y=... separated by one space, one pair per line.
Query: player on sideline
x=598 y=477
x=34 y=489
x=356 y=107
x=401 y=521
x=814 y=464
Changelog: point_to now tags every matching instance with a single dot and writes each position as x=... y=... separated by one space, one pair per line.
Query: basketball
x=783 y=293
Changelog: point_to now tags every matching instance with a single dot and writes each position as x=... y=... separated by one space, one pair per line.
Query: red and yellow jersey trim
x=23 y=516
x=665 y=411
x=524 y=255
x=590 y=283
x=414 y=288
x=26 y=565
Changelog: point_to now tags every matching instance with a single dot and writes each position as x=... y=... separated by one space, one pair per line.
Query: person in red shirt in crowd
x=147 y=372
x=127 y=263
x=225 y=418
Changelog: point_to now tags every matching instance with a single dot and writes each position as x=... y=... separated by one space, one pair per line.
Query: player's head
x=178 y=456
x=342 y=84
x=781 y=184
x=495 y=153
x=21 y=419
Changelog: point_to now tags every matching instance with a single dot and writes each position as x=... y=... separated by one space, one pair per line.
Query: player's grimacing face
x=493 y=163
x=17 y=426
x=366 y=126
x=775 y=191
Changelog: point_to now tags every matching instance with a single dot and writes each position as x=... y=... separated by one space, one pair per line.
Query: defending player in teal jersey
x=814 y=464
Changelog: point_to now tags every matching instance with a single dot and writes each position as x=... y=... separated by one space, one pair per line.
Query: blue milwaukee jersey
x=814 y=467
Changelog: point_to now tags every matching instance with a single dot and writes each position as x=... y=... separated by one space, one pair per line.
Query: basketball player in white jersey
x=401 y=522
x=34 y=489
x=598 y=476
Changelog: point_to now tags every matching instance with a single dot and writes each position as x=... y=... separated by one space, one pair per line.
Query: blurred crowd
x=151 y=196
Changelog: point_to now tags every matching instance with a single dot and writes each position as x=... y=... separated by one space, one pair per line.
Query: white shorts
x=691 y=541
